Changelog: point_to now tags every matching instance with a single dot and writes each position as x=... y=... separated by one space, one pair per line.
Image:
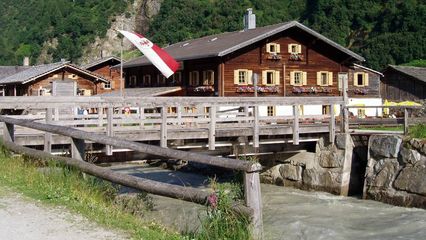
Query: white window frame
x=276 y=46
x=107 y=85
x=271 y=111
x=275 y=77
x=194 y=78
x=303 y=78
x=297 y=48
x=206 y=80
x=364 y=75
x=247 y=77
x=342 y=76
x=328 y=78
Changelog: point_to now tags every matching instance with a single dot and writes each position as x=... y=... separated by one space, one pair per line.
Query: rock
x=272 y=175
x=341 y=141
x=305 y=159
x=385 y=170
x=385 y=145
x=409 y=156
x=291 y=172
x=327 y=179
x=332 y=159
x=412 y=179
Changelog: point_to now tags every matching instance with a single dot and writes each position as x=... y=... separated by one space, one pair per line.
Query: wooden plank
x=110 y=130
x=179 y=110
x=100 y=117
x=78 y=149
x=141 y=117
x=212 y=128
x=48 y=135
x=163 y=128
x=8 y=132
x=253 y=200
x=406 y=126
x=332 y=124
x=296 y=129
x=256 y=127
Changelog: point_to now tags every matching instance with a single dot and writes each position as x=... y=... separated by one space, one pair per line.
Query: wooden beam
x=78 y=149
x=8 y=132
x=100 y=117
x=163 y=128
x=332 y=124
x=256 y=127
x=253 y=200
x=406 y=126
x=48 y=135
x=212 y=128
x=296 y=129
x=142 y=117
x=110 y=130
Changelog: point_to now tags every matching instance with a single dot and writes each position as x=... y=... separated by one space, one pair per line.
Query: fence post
x=141 y=117
x=212 y=128
x=100 y=116
x=78 y=149
x=253 y=199
x=256 y=127
x=8 y=132
x=332 y=124
x=163 y=128
x=48 y=135
x=110 y=131
x=345 y=111
x=405 y=121
x=296 y=125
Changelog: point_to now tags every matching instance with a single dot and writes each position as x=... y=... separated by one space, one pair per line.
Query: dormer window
x=294 y=48
x=273 y=48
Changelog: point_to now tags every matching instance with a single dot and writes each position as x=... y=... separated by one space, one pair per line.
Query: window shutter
x=112 y=84
x=330 y=78
x=268 y=47
x=250 y=77
x=319 y=78
x=236 y=77
x=299 y=48
x=278 y=47
x=291 y=78
x=305 y=78
x=264 y=76
x=289 y=48
x=366 y=79
x=356 y=79
x=277 y=78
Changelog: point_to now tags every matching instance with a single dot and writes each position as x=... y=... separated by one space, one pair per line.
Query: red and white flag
x=160 y=58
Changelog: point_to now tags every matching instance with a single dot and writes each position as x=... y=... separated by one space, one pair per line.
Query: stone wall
x=328 y=169
x=396 y=171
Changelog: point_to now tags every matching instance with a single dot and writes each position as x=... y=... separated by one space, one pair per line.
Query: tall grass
x=59 y=185
x=418 y=131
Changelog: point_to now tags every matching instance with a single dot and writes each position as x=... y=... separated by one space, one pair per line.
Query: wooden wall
x=397 y=86
x=111 y=74
x=371 y=91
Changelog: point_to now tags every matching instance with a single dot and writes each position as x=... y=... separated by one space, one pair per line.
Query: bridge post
x=163 y=127
x=256 y=128
x=8 y=132
x=100 y=116
x=296 y=125
x=345 y=111
x=78 y=149
x=332 y=124
x=253 y=199
x=142 y=117
x=48 y=135
x=212 y=128
x=405 y=121
x=110 y=131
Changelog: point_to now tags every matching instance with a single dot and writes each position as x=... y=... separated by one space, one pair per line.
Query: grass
x=58 y=185
x=418 y=131
x=384 y=128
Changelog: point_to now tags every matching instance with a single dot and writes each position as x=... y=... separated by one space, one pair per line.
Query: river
x=293 y=214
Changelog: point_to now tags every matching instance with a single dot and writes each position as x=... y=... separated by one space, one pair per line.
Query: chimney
x=26 y=61
x=249 y=20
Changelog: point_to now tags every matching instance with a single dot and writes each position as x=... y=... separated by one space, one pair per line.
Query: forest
x=382 y=31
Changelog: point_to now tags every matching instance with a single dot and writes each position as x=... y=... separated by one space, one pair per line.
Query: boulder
x=272 y=175
x=327 y=179
x=412 y=179
x=385 y=171
x=332 y=159
x=292 y=172
x=341 y=141
x=409 y=156
x=385 y=145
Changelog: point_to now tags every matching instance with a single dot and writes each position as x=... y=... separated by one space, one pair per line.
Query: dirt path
x=22 y=218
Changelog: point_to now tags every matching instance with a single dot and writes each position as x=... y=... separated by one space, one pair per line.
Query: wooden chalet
x=105 y=68
x=401 y=83
x=59 y=79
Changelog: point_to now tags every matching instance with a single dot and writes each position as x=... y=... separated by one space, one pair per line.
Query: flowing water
x=294 y=214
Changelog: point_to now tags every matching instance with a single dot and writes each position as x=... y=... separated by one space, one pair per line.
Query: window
x=324 y=78
x=194 y=78
x=208 y=78
x=270 y=110
x=72 y=76
x=177 y=78
x=107 y=85
x=360 y=79
x=343 y=77
x=325 y=109
x=243 y=77
x=273 y=48
x=132 y=81
x=161 y=80
x=360 y=111
x=295 y=48
x=270 y=77
x=298 y=78
x=146 y=81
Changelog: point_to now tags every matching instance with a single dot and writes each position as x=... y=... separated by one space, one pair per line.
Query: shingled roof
x=100 y=61
x=34 y=72
x=142 y=92
x=415 y=72
x=222 y=44
x=6 y=71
